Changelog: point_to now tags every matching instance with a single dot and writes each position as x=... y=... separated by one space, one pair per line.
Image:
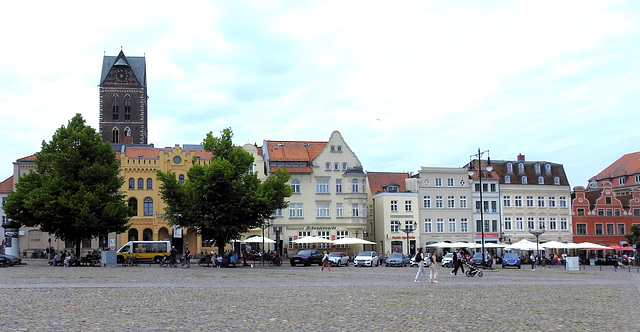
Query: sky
x=408 y=84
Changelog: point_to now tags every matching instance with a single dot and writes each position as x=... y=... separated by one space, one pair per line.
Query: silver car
x=338 y=258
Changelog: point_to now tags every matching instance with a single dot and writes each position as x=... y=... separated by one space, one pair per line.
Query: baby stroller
x=472 y=270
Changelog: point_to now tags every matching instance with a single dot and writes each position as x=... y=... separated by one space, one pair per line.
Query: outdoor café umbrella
x=311 y=239
x=258 y=239
x=524 y=244
x=555 y=245
x=352 y=240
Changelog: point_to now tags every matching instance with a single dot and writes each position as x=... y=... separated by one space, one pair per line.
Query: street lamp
x=264 y=226
x=407 y=231
x=489 y=168
x=537 y=234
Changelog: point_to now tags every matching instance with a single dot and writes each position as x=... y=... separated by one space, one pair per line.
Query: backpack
x=427 y=262
x=418 y=258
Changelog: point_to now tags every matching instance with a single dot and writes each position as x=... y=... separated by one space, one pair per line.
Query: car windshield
x=395 y=256
x=333 y=254
x=510 y=255
x=365 y=253
x=448 y=255
x=478 y=255
x=305 y=252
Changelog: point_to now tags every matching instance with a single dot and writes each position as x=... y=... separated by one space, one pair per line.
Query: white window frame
x=322 y=186
x=426 y=202
x=323 y=210
x=464 y=225
x=507 y=224
x=463 y=202
x=506 y=201
x=428 y=227
x=452 y=225
x=339 y=210
x=408 y=207
x=394 y=206
x=438 y=202
x=395 y=226
x=438 y=182
x=338 y=185
x=451 y=202
x=450 y=182
x=440 y=225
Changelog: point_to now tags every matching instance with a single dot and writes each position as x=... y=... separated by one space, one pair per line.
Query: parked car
x=338 y=258
x=366 y=258
x=13 y=260
x=4 y=261
x=307 y=257
x=510 y=259
x=447 y=260
x=476 y=259
x=396 y=259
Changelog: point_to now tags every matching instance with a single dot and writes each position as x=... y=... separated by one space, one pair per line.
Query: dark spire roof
x=136 y=63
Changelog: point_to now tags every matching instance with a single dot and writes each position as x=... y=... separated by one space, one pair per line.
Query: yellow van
x=146 y=251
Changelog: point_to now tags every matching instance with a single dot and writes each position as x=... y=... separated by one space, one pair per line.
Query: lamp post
x=264 y=226
x=489 y=168
x=537 y=234
x=407 y=231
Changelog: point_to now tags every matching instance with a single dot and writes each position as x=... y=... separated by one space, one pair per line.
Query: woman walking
x=325 y=261
x=419 y=260
x=433 y=268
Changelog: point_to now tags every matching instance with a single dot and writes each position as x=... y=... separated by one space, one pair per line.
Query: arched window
x=523 y=180
x=133 y=234
x=336 y=166
x=181 y=179
x=540 y=180
x=507 y=179
x=537 y=168
x=509 y=168
x=344 y=166
x=148 y=206
x=547 y=168
x=127 y=107
x=149 y=183
x=114 y=107
x=132 y=183
x=147 y=234
x=327 y=166
x=115 y=135
x=133 y=203
x=140 y=183
x=556 y=180
x=520 y=168
x=127 y=132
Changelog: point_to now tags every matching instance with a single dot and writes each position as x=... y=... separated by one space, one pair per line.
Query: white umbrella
x=588 y=245
x=524 y=244
x=487 y=245
x=311 y=239
x=259 y=239
x=352 y=240
x=456 y=245
x=555 y=245
x=438 y=244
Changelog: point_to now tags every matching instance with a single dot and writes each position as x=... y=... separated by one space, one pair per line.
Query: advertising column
x=11 y=243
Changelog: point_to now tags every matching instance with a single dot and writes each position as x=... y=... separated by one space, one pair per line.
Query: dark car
x=511 y=259
x=477 y=259
x=4 y=261
x=306 y=257
x=13 y=260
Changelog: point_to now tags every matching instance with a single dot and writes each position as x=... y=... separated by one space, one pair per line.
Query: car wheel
x=503 y=266
x=293 y=264
x=518 y=266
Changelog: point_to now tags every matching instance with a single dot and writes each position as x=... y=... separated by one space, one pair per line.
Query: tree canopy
x=634 y=236
x=74 y=191
x=223 y=199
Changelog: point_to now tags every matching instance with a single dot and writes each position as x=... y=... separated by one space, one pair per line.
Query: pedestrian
x=325 y=261
x=457 y=262
x=419 y=260
x=433 y=268
x=454 y=262
x=533 y=262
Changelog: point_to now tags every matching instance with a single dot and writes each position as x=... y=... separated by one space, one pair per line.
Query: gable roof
x=378 y=180
x=137 y=64
x=287 y=151
x=6 y=186
x=628 y=165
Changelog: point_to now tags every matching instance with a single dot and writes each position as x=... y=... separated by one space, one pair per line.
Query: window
x=552 y=223
x=506 y=201
x=536 y=167
x=181 y=179
x=529 y=200
x=547 y=168
x=127 y=132
x=494 y=206
x=277 y=213
x=452 y=225
x=336 y=166
x=394 y=206
x=507 y=223
x=518 y=201
x=563 y=201
x=408 y=225
x=451 y=202
x=339 y=148
x=296 y=211
x=485 y=187
x=327 y=166
x=427 y=225
x=610 y=229
x=580 y=211
x=531 y=222
x=127 y=107
x=338 y=185
x=464 y=225
x=609 y=212
x=148 y=207
x=581 y=229
x=438 y=202
x=622 y=180
x=507 y=179
x=115 y=135
x=333 y=148
x=637 y=178
x=636 y=212
x=322 y=210
x=426 y=202
x=542 y=223
x=556 y=180
x=540 y=201
x=295 y=186
x=339 y=210
x=509 y=168
x=322 y=186
x=149 y=183
x=114 y=106
x=344 y=166
x=355 y=210
x=449 y=182
x=438 y=182
x=440 y=225
x=463 y=202
x=324 y=235
x=140 y=183
x=523 y=179
x=519 y=223
x=601 y=212
x=395 y=226
x=493 y=187
x=599 y=229
x=520 y=168
x=354 y=185
x=540 y=180
x=564 y=224
x=476 y=187
x=132 y=183
x=617 y=212
x=621 y=229
x=342 y=235
x=552 y=201
x=133 y=204
x=407 y=206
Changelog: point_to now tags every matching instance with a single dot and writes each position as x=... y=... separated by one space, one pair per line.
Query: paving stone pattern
x=37 y=297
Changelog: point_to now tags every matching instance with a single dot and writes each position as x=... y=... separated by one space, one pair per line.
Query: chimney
x=520 y=157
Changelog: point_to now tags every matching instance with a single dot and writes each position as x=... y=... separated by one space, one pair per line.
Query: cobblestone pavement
x=37 y=297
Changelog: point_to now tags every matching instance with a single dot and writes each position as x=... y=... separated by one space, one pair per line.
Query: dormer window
x=507 y=179
x=540 y=180
x=523 y=179
x=391 y=188
x=622 y=180
x=556 y=180
x=547 y=168
x=537 y=168
x=509 y=168
x=520 y=168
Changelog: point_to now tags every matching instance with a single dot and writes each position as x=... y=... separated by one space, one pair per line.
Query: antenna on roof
x=120 y=47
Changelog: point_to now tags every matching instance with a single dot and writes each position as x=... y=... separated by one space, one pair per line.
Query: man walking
x=533 y=262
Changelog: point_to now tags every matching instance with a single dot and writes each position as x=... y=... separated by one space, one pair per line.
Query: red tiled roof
x=293 y=151
x=6 y=186
x=627 y=166
x=377 y=180
x=28 y=158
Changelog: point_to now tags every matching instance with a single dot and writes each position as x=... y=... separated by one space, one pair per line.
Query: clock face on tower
x=122 y=76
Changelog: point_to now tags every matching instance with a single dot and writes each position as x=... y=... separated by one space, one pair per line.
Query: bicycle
x=186 y=261
x=275 y=261
x=131 y=261
x=166 y=261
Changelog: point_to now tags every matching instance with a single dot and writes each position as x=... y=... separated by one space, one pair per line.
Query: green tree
x=223 y=199
x=74 y=191
x=634 y=236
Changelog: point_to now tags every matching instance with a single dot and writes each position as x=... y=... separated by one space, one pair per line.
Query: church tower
x=123 y=100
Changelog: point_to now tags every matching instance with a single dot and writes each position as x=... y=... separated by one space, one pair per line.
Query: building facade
x=623 y=175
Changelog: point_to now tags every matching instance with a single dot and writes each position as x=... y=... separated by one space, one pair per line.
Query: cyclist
x=172 y=255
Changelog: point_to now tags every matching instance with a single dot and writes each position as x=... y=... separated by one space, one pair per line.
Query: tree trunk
x=78 y=242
